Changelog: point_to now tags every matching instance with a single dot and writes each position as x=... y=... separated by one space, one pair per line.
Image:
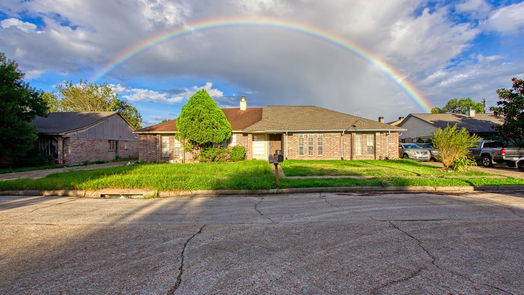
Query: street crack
x=182 y=258
x=433 y=262
x=260 y=212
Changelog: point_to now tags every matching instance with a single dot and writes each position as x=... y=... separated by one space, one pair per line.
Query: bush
x=462 y=164
x=453 y=146
x=238 y=153
x=215 y=154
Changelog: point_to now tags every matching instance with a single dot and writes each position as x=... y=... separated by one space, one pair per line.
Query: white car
x=520 y=164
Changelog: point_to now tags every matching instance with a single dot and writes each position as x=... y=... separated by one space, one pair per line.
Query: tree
x=91 y=97
x=453 y=146
x=19 y=104
x=511 y=107
x=52 y=101
x=201 y=123
x=460 y=106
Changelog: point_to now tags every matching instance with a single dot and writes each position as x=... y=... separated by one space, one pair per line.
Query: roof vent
x=381 y=119
x=243 y=103
x=400 y=118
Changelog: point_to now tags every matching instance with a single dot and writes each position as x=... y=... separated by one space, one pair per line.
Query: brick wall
x=148 y=148
x=338 y=146
x=80 y=150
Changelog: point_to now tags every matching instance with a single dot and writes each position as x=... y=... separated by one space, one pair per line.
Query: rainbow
x=316 y=33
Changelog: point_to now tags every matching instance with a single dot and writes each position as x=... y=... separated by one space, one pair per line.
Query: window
x=301 y=144
x=358 y=144
x=310 y=144
x=125 y=145
x=370 y=146
x=112 y=145
x=165 y=146
x=320 y=144
x=177 y=148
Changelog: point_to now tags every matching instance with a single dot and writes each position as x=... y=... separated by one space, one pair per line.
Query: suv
x=414 y=152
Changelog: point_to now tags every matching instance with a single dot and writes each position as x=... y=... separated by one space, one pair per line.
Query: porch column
x=60 y=144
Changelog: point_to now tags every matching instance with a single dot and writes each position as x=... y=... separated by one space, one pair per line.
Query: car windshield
x=410 y=146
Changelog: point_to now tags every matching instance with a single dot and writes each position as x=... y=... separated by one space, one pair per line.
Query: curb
x=138 y=193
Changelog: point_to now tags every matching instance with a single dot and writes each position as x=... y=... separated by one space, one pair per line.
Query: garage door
x=259 y=146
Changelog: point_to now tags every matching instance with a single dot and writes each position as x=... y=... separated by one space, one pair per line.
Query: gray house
x=77 y=137
x=422 y=126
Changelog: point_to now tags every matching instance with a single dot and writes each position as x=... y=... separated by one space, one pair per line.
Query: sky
x=368 y=58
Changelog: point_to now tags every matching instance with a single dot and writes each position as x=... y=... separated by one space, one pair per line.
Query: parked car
x=520 y=164
x=434 y=152
x=488 y=152
x=414 y=152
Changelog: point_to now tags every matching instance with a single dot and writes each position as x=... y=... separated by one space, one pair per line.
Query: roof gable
x=312 y=118
x=62 y=122
x=480 y=123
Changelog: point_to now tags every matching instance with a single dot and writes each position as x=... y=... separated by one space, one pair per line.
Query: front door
x=260 y=146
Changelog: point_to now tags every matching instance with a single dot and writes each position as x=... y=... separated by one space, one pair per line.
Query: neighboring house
x=298 y=132
x=422 y=126
x=78 y=137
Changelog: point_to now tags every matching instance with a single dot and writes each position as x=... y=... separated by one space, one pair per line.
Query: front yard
x=258 y=175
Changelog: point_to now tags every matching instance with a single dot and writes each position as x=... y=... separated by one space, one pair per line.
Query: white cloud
x=508 y=19
x=140 y=94
x=25 y=27
x=476 y=8
x=276 y=66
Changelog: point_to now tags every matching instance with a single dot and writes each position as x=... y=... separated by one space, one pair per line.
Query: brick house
x=77 y=137
x=298 y=132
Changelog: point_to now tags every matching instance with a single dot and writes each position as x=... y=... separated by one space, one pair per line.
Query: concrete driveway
x=287 y=244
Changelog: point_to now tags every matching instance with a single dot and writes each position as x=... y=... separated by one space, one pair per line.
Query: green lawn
x=253 y=175
x=378 y=168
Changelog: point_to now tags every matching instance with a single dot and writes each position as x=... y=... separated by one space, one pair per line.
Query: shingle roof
x=62 y=122
x=286 y=118
x=480 y=123
x=239 y=120
x=312 y=118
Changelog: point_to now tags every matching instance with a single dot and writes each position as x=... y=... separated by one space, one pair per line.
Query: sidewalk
x=35 y=174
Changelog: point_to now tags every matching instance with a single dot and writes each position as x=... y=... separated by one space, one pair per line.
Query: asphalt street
x=286 y=244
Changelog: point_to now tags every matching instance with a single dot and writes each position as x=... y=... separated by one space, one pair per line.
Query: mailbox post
x=276 y=159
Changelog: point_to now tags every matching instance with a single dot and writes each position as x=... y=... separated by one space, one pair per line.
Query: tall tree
x=511 y=107
x=19 y=104
x=202 y=123
x=91 y=97
x=459 y=106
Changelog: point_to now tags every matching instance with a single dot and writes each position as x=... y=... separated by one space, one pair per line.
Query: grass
x=162 y=177
x=378 y=168
x=252 y=175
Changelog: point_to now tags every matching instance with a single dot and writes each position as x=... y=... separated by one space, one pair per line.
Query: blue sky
x=447 y=49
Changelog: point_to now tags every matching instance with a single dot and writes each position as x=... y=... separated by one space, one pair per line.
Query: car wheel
x=486 y=161
x=520 y=165
x=405 y=156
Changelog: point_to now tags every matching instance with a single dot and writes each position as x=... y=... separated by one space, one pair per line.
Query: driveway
x=34 y=174
x=287 y=244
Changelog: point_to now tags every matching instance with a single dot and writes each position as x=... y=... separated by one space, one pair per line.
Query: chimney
x=243 y=103
x=471 y=112
x=381 y=119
